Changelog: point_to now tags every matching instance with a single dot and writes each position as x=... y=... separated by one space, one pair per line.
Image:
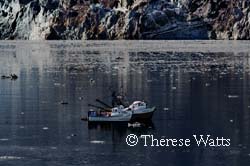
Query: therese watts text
x=199 y=140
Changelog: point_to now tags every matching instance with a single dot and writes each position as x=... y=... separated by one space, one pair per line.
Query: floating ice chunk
x=45 y=128
x=232 y=96
x=57 y=84
x=97 y=142
x=207 y=84
x=165 y=109
x=10 y=158
x=174 y=88
x=234 y=151
x=119 y=58
x=4 y=139
x=92 y=81
x=64 y=103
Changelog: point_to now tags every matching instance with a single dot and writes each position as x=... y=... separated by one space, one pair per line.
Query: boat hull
x=98 y=119
x=143 y=116
x=123 y=117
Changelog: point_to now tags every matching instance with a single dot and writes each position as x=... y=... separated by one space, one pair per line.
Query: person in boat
x=116 y=99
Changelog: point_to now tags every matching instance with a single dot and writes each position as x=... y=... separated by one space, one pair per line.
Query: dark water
x=195 y=92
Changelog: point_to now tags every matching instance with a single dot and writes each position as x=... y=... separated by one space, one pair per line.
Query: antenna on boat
x=99 y=101
x=102 y=108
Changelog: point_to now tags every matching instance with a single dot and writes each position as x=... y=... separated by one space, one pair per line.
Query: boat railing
x=99 y=114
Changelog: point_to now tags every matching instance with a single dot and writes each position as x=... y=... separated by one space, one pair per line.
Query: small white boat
x=140 y=111
x=117 y=114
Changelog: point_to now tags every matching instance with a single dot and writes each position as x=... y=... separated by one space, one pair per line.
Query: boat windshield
x=138 y=104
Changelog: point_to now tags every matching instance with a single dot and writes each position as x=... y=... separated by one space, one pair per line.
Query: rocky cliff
x=125 y=19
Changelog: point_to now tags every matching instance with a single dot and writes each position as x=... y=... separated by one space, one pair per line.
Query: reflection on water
x=195 y=92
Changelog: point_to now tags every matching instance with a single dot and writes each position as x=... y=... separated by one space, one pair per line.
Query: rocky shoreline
x=124 y=19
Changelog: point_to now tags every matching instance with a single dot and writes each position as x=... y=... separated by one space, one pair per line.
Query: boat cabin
x=138 y=105
x=118 y=109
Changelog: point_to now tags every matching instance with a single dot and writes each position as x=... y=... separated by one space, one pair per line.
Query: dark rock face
x=145 y=19
x=124 y=19
x=228 y=19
